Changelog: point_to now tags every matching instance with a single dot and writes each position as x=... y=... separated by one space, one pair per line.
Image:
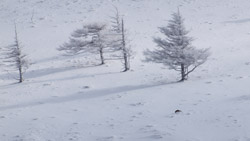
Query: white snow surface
x=72 y=99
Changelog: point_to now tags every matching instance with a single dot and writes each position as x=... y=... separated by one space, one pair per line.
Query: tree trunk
x=18 y=56
x=20 y=75
x=101 y=56
x=125 y=52
x=183 y=75
x=126 y=65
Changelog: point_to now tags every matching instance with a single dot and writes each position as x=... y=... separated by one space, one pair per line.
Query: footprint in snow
x=74 y=136
x=47 y=84
x=1 y=117
x=85 y=87
x=156 y=136
x=52 y=117
x=208 y=82
x=75 y=110
x=208 y=94
x=247 y=63
x=34 y=119
x=114 y=98
x=240 y=77
x=109 y=138
x=75 y=123
x=137 y=104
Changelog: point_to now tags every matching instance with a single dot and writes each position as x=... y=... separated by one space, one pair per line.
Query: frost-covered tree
x=126 y=51
x=78 y=42
x=99 y=41
x=116 y=21
x=91 y=38
x=175 y=50
x=16 y=58
x=119 y=40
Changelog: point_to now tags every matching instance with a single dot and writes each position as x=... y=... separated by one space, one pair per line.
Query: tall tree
x=175 y=50
x=119 y=41
x=16 y=58
x=126 y=51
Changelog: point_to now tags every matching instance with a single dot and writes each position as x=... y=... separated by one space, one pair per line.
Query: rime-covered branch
x=175 y=50
x=119 y=41
x=15 y=58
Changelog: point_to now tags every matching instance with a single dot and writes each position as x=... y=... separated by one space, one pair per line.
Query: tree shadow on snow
x=83 y=95
x=76 y=77
x=238 y=21
x=48 y=71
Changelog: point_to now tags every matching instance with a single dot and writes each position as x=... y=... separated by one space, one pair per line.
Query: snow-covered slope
x=68 y=98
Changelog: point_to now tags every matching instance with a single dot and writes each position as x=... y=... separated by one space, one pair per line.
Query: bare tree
x=176 y=50
x=126 y=51
x=16 y=58
x=120 y=42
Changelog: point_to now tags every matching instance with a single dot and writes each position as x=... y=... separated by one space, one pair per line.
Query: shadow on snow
x=238 y=21
x=83 y=96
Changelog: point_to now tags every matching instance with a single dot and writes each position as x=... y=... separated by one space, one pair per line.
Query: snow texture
x=71 y=98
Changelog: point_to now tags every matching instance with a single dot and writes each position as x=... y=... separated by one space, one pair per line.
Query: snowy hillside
x=68 y=98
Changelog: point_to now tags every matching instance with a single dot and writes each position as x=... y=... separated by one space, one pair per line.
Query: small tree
x=91 y=38
x=16 y=58
x=120 y=42
x=176 y=50
x=99 y=39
